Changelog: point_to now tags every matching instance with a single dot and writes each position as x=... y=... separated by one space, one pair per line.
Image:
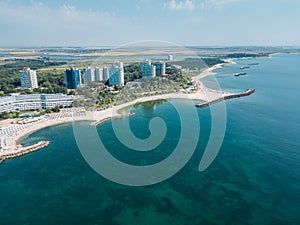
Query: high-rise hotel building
x=148 y=70
x=88 y=75
x=92 y=75
x=160 y=68
x=116 y=74
x=145 y=63
x=98 y=74
x=28 y=78
x=72 y=78
x=105 y=73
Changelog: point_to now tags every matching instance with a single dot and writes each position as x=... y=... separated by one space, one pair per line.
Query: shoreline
x=203 y=93
x=34 y=129
x=115 y=111
x=48 y=121
x=96 y=116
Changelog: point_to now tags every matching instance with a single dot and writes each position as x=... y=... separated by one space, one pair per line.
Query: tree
x=56 y=109
x=72 y=92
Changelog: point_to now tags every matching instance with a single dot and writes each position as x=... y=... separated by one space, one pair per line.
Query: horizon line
x=113 y=46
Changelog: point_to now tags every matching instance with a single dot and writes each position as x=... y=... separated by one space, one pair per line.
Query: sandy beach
x=16 y=132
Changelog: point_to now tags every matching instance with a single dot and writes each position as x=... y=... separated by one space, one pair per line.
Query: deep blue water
x=255 y=178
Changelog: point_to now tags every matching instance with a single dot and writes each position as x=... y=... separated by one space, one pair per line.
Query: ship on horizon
x=239 y=74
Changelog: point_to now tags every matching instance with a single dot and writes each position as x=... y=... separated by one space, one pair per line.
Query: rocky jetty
x=24 y=150
x=237 y=95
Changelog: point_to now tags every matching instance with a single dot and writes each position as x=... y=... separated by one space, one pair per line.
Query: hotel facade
x=72 y=78
x=28 y=78
x=160 y=68
x=116 y=74
x=92 y=75
x=35 y=101
x=148 y=70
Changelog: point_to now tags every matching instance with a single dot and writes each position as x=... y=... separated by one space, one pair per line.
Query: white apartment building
x=28 y=78
x=98 y=74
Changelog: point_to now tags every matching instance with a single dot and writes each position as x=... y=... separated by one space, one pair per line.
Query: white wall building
x=98 y=74
x=105 y=73
x=148 y=70
x=116 y=74
x=35 y=101
x=88 y=75
x=28 y=78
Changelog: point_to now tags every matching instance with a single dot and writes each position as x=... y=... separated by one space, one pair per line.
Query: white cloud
x=181 y=5
x=38 y=13
x=64 y=24
x=217 y=3
x=189 y=5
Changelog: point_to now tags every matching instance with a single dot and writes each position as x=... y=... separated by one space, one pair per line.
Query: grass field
x=22 y=53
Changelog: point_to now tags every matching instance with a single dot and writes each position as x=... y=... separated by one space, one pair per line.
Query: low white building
x=35 y=101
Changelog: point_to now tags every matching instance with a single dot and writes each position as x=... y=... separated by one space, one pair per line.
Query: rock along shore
x=25 y=150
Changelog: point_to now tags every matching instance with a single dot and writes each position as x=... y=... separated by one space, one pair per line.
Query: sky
x=117 y=22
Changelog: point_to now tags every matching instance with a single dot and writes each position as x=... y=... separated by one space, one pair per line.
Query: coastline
x=37 y=128
x=97 y=117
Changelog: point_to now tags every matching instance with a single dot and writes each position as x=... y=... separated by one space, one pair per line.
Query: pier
x=229 y=96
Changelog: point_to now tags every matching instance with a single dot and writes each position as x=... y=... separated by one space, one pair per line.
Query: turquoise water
x=254 y=179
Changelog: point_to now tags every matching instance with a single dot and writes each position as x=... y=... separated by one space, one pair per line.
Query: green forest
x=197 y=63
x=51 y=76
x=51 y=79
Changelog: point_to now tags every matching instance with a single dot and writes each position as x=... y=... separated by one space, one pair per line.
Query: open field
x=23 y=53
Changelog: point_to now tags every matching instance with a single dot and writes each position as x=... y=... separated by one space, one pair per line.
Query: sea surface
x=255 y=178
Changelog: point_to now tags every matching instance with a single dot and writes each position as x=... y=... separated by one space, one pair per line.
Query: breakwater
x=110 y=118
x=24 y=150
x=236 y=95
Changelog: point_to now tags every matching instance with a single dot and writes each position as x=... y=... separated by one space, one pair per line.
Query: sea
x=254 y=179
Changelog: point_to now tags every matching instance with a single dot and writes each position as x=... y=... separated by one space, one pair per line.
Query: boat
x=244 y=67
x=239 y=74
x=253 y=64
